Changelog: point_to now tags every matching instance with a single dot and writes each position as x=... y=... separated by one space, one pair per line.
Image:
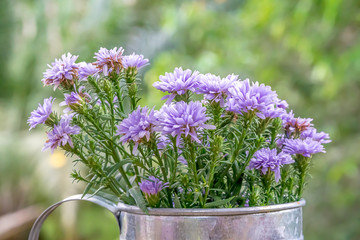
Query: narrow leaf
x=139 y=198
x=177 y=201
x=218 y=203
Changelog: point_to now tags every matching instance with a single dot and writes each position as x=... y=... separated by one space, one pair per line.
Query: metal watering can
x=282 y=221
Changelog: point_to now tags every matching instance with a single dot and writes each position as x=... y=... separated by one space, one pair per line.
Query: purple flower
x=109 y=60
x=137 y=127
x=314 y=135
x=245 y=97
x=75 y=98
x=86 y=70
x=295 y=125
x=280 y=139
x=182 y=119
x=282 y=104
x=153 y=186
x=60 y=135
x=305 y=147
x=267 y=159
x=215 y=88
x=134 y=60
x=271 y=112
x=41 y=114
x=61 y=72
x=177 y=83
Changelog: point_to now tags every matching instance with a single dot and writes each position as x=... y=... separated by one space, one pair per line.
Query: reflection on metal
x=283 y=221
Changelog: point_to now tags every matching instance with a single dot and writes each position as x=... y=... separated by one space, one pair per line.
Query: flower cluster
x=183 y=119
x=267 y=159
x=137 y=127
x=134 y=61
x=253 y=97
x=41 y=114
x=214 y=87
x=151 y=188
x=61 y=72
x=177 y=83
x=108 y=61
x=216 y=141
x=60 y=136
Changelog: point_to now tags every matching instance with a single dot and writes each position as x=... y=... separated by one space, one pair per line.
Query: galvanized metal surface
x=283 y=221
x=35 y=230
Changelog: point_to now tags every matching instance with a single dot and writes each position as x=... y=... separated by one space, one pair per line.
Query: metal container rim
x=211 y=211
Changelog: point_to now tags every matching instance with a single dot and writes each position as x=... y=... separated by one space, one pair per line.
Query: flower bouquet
x=215 y=143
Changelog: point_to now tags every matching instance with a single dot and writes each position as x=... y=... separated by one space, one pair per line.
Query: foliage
x=209 y=154
x=308 y=51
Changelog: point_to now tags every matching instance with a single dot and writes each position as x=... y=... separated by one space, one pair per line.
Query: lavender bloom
x=282 y=104
x=177 y=83
x=60 y=135
x=245 y=97
x=295 y=125
x=41 y=114
x=214 y=87
x=137 y=127
x=153 y=186
x=135 y=61
x=268 y=159
x=246 y=204
x=305 y=147
x=313 y=134
x=280 y=140
x=182 y=119
x=86 y=70
x=75 y=98
x=109 y=60
x=271 y=112
x=62 y=71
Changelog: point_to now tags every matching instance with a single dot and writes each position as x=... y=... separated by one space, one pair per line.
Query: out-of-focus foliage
x=309 y=51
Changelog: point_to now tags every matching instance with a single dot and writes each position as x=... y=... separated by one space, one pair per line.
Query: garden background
x=308 y=51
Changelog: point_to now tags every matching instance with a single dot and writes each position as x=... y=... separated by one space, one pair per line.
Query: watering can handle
x=35 y=230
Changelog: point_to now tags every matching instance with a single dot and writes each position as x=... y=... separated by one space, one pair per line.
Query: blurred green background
x=307 y=50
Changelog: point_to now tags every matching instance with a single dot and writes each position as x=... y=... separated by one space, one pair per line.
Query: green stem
x=193 y=167
x=215 y=146
x=162 y=169
x=176 y=155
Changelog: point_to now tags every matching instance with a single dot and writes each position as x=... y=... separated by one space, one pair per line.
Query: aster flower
x=137 y=127
x=61 y=135
x=134 y=61
x=181 y=120
x=295 y=125
x=41 y=114
x=109 y=60
x=271 y=112
x=313 y=134
x=86 y=70
x=268 y=159
x=245 y=96
x=282 y=104
x=177 y=83
x=280 y=139
x=215 y=88
x=61 y=72
x=305 y=147
x=153 y=186
x=76 y=98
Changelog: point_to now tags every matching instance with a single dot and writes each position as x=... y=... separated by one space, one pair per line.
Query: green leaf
x=218 y=203
x=139 y=198
x=127 y=199
x=87 y=188
x=177 y=201
x=115 y=167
